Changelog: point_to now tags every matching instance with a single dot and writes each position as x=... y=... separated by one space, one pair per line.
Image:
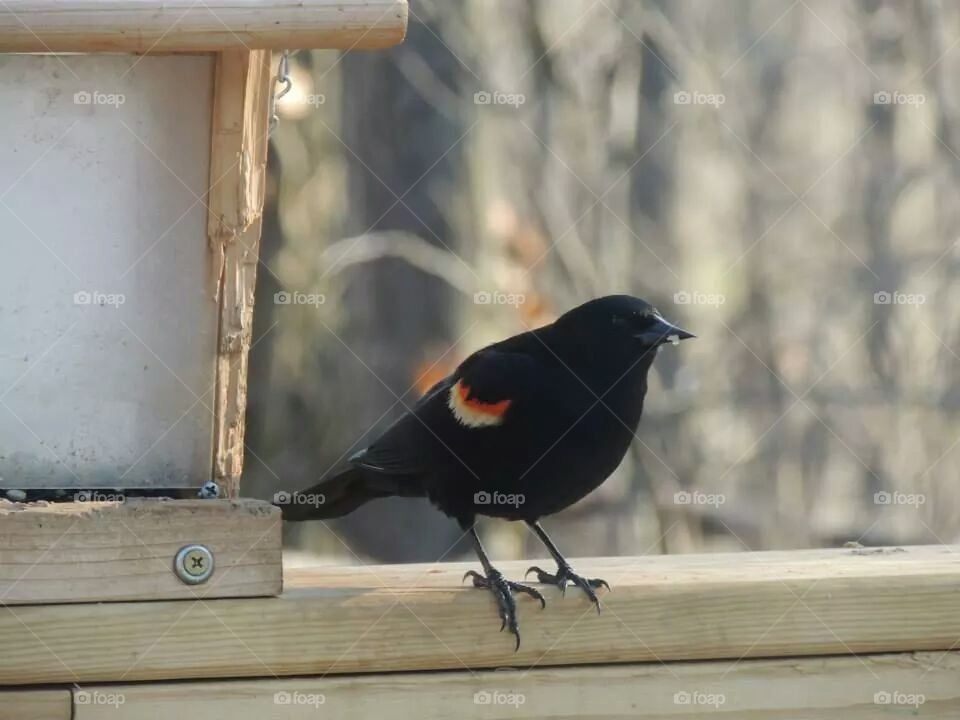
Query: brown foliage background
x=765 y=214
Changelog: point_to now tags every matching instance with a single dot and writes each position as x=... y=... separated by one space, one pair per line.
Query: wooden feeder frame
x=242 y=87
x=241 y=34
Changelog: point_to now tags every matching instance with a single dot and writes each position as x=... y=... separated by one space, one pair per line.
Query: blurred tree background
x=779 y=176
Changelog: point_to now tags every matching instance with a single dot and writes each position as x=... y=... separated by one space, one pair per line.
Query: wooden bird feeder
x=131 y=192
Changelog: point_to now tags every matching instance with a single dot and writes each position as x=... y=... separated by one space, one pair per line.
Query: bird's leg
x=564 y=572
x=501 y=588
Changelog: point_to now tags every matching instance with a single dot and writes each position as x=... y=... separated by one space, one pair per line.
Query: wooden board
x=184 y=25
x=54 y=704
x=81 y=552
x=925 y=685
x=415 y=617
x=238 y=160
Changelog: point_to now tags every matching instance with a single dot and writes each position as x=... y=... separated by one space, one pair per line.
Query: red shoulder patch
x=472 y=412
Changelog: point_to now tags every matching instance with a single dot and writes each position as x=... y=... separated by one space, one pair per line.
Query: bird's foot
x=566 y=574
x=503 y=590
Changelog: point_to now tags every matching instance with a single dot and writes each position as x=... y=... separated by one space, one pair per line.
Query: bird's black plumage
x=522 y=429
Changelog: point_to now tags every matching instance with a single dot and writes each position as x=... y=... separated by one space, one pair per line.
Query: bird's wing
x=399 y=450
x=481 y=393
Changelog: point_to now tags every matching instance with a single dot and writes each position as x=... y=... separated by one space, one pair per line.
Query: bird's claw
x=503 y=590
x=566 y=574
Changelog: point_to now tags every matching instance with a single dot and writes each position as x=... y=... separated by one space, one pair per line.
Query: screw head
x=193 y=564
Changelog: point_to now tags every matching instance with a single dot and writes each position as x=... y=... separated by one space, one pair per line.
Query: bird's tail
x=336 y=496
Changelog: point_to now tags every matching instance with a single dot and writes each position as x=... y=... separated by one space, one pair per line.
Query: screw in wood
x=193 y=564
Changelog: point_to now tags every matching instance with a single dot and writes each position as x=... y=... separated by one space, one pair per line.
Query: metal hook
x=283 y=79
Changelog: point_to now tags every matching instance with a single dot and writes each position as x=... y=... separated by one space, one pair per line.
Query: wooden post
x=238 y=160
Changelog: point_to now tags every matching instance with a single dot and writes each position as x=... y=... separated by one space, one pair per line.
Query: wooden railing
x=852 y=632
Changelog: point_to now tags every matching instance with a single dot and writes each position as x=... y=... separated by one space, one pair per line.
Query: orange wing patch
x=472 y=412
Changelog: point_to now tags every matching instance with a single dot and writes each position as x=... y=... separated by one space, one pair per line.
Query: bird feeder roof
x=142 y=26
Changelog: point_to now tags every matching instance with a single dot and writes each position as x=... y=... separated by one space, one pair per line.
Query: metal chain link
x=285 y=84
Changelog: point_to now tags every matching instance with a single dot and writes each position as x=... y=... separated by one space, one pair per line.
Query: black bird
x=522 y=429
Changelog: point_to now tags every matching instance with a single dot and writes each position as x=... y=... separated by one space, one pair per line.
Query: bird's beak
x=663 y=332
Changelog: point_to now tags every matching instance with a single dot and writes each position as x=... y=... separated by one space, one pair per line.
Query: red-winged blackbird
x=522 y=429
